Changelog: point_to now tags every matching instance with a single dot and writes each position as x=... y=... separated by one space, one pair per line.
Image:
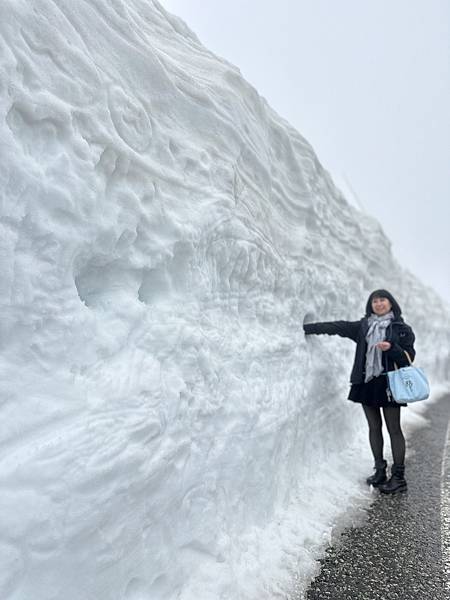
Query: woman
x=381 y=337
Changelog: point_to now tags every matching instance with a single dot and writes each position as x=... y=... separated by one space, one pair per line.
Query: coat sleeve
x=347 y=329
x=405 y=341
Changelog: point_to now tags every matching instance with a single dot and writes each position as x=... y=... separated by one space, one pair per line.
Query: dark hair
x=383 y=294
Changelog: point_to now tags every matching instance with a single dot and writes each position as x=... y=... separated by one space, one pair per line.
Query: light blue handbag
x=408 y=384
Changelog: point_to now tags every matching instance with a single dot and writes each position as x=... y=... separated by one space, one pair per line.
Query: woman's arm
x=405 y=341
x=347 y=329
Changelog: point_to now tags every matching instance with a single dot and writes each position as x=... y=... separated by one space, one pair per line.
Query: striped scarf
x=376 y=333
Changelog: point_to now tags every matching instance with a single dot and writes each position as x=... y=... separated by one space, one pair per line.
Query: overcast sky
x=368 y=84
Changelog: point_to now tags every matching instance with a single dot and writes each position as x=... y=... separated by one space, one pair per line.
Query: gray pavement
x=401 y=549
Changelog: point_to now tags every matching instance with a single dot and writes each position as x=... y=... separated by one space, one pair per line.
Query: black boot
x=397 y=482
x=380 y=474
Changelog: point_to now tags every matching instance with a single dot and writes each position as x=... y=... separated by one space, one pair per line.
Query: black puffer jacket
x=399 y=334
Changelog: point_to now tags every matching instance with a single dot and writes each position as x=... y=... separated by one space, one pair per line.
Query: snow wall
x=166 y=430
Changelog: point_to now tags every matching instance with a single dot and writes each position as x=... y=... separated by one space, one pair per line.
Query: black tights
x=392 y=420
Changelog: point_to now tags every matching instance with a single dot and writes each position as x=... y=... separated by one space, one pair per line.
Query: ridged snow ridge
x=166 y=432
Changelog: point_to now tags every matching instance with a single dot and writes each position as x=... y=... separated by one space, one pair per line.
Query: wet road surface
x=402 y=550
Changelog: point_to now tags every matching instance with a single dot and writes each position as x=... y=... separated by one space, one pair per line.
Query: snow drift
x=166 y=431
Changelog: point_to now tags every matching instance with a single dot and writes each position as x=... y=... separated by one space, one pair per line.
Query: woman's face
x=381 y=306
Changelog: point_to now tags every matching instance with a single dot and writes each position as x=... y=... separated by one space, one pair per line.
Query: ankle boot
x=379 y=476
x=397 y=481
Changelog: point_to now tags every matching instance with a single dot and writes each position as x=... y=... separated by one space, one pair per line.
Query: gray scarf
x=376 y=333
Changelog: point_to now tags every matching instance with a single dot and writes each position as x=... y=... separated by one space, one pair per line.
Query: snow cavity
x=166 y=429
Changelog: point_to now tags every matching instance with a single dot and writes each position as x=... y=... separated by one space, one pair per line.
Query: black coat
x=398 y=333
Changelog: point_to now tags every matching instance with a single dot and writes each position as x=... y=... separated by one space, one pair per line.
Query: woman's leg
x=392 y=419
x=373 y=416
x=397 y=482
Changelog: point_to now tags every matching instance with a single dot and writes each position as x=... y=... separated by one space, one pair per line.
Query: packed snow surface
x=167 y=432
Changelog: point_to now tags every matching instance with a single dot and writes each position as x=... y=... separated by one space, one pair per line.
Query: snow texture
x=166 y=430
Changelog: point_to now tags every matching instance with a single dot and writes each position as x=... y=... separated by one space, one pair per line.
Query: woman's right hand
x=384 y=346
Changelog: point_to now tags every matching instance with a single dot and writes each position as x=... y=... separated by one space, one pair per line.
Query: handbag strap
x=409 y=360
x=408 y=357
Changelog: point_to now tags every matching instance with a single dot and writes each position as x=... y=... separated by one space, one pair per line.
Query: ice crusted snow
x=166 y=429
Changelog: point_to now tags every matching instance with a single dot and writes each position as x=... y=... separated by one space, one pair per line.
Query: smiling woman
x=382 y=338
x=332 y=70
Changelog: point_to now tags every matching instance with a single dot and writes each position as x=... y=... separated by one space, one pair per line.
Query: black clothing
x=397 y=482
x=392 y=420
x=372 y=393
x=398 y=333
x=379 y=476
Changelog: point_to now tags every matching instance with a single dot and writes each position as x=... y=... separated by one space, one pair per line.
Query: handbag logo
x=408 y=383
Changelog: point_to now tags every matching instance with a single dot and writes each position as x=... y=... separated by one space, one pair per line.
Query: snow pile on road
x=166 y=430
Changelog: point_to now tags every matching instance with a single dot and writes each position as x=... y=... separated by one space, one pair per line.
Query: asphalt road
x=401 y=551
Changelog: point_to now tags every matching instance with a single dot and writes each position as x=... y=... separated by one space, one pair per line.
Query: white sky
x=368 y=84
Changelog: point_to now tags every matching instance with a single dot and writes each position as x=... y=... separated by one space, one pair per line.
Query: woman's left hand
x=384 y=346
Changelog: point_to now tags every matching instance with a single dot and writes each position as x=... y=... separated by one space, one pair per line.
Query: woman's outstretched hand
x=384 y=346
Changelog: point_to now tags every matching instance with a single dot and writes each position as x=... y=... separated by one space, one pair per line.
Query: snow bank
x=166 y=430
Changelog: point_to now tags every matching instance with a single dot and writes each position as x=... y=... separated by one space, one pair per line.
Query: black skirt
x=372 y=393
